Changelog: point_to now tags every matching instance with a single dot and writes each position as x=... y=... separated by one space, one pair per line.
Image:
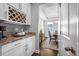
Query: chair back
x=49 y=34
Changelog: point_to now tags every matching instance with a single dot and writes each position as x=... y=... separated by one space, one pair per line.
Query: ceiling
x=49 y=11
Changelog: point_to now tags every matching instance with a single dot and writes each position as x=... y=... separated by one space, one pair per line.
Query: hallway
x=47 y=49
x=52 y=45
x=60 y=19
x=51 y=48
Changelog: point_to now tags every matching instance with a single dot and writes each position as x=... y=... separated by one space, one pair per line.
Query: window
x=50 y=26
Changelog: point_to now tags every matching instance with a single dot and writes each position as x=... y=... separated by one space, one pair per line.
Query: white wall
x=78 y=32
x=64 y=18
x=45 y=29
x=41 y=13
x=34 y=21
x=42 y=17
x=41 y=25
x=64 y=40
x=73 y=25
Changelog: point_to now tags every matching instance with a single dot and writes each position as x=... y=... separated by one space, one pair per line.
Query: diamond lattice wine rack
x=16 y=15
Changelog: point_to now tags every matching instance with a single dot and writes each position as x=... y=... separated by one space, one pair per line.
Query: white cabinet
x=23 y=47
x=3 y=11
x=26 y=7
x=16 y=5
x=22 y=7
x=18 y=51
x=31 y=45
x=14 y=49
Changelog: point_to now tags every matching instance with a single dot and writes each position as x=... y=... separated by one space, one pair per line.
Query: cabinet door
x=31 y=45
x=26 y=7
x=18 y=51
x=27 y=50
x=10 y=53
x=16 y=48
x=3 y=11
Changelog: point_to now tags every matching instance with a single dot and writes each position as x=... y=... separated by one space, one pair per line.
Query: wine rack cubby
x=16 y=15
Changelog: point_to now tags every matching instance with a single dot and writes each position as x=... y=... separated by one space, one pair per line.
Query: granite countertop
x=12 y=38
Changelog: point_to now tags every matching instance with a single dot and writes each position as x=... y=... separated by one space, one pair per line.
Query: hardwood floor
x=52 y=45
x=48 y=52
x=47 y=49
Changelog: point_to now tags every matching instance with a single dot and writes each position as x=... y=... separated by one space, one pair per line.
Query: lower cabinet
x=30 y=46
x=24 y=47
x=18 y=51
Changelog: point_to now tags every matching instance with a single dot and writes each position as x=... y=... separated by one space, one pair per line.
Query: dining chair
x=51 y=37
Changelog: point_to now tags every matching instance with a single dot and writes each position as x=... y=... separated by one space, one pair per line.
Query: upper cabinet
x=16 y=13
x=16 y=5
x=3 y=11
x=26 y=7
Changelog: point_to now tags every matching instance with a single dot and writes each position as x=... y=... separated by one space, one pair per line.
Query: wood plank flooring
x=47 y=49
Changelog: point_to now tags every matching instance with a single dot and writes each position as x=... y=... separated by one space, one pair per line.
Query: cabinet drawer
x=12 y=45
x=10 y=53
x=17 y=51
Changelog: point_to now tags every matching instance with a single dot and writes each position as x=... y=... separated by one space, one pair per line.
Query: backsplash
x=12 y=28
